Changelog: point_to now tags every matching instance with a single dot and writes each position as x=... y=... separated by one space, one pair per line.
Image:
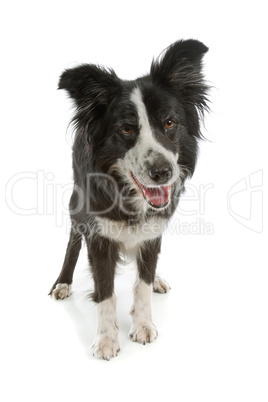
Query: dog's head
x=144 y=131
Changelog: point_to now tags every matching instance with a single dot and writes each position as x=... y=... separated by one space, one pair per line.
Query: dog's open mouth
x=157 y=197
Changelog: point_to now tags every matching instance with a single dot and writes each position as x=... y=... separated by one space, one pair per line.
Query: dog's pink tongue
x=158 y=195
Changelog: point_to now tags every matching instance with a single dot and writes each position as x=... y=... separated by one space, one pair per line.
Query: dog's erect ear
x=180 y=68
x=89 y=83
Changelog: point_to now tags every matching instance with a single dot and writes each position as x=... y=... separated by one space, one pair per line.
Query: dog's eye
x=169 y=123
x=127 y=130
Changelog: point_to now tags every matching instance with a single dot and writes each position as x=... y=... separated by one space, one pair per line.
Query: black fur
x=175 y=85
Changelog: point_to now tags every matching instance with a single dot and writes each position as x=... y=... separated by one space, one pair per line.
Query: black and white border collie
x=135 y=145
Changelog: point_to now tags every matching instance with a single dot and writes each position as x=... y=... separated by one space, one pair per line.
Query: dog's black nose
x=160 y=174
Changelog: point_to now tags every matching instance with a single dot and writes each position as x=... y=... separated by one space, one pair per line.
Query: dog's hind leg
x=160 y=285
x=62 y=287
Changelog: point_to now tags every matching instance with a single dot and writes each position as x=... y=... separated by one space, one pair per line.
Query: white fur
x=130 y=236
x=160 y=285
x=142 y=330
x=61 y=291
x=106 y=342
x=134 y=159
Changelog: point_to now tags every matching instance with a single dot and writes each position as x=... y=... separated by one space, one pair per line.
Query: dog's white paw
x=105 y=347
x=160 y=286
x=143 y=333
x=61 y=291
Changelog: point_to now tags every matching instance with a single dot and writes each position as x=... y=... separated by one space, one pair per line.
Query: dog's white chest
x=131 y=235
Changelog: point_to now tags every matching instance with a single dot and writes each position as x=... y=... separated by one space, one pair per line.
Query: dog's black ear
x=180 y=68
x=89 y=83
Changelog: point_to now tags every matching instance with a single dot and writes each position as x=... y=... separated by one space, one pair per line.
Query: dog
x=136 y=143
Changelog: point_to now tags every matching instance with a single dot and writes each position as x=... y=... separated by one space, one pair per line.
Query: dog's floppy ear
x=180 y=69
x=89 y=83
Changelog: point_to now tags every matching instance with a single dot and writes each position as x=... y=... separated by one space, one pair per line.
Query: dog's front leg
x=143 y=330
x=106 y=343
x=103 y=256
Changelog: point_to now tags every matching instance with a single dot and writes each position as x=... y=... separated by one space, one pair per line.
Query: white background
x=213 y=332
